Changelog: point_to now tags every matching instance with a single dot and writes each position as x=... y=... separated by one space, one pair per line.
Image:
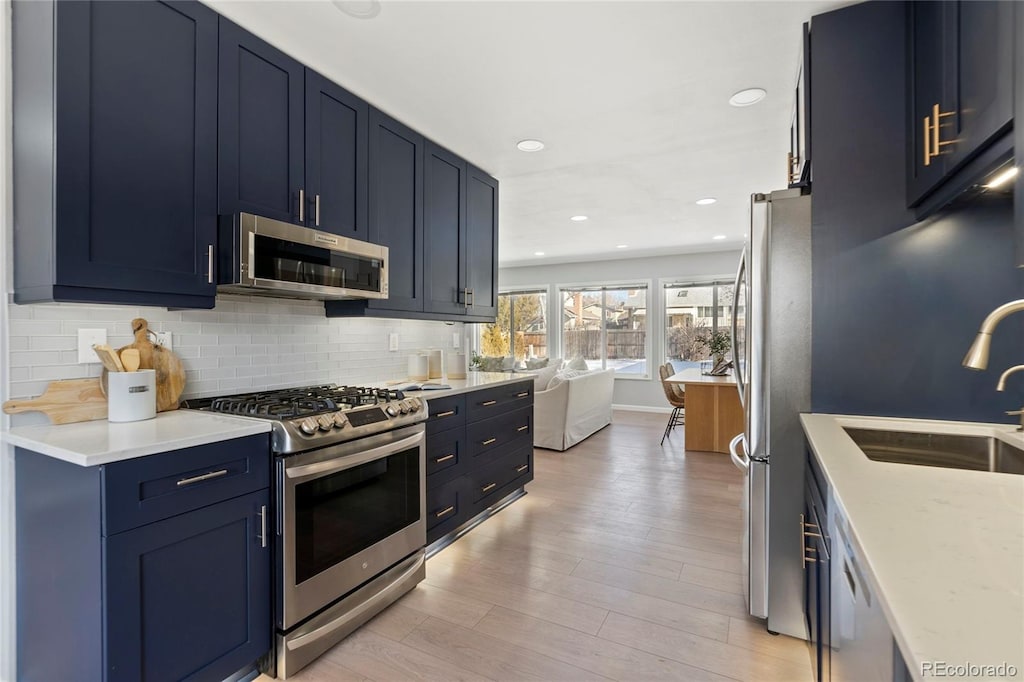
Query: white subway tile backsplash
x=243 y=344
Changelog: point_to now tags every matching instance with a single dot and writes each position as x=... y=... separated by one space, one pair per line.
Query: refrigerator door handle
x=737 y=368
x=741 y=461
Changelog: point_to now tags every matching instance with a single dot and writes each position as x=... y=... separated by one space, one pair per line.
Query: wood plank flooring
x=623 y=562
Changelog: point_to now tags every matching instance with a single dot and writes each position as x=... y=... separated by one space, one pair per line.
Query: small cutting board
x=65 y=402
x=170 y=373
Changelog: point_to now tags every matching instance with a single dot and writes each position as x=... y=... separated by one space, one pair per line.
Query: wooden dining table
x=713 y=412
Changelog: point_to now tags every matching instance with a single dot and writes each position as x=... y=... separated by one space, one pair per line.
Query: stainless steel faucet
x=977 y=354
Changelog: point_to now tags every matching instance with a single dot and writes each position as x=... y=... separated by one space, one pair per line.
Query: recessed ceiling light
x=529 y=145
x=622 y=246
x=1002 y=178
x=706 y=201
x=718 y=237
x=360 y=9
x=744 y=98
x=538 y=253
x=578 y=218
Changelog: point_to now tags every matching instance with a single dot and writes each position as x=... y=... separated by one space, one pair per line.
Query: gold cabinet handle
x=316 y=210
x=446 y=510
x=488 y=487
x=523 y=394
x=445 y=414
x=302 y=205
x=444 y=459
x=933 y=143
x=792 y=163
x=523 y=468
x=523 y=428
x=489 y=441
x=488 y=403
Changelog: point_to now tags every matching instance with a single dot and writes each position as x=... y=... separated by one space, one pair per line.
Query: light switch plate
x=392 y=341
x=164 y=339
x=86 y=339
x=456 y=339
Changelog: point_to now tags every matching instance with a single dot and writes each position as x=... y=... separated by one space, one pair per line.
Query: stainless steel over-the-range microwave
x=268 y=257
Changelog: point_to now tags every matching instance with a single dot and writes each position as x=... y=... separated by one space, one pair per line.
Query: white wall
x=634 y=392
x=7 y=548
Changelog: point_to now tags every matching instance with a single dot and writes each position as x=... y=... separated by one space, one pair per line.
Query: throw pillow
x=543 y=377
x=536 y=363
x=564 y=375
x=577 y=363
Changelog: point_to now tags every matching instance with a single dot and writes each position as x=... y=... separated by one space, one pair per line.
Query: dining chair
x=677 y=399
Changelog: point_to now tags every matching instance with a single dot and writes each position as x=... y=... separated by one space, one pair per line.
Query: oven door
x=347 y=513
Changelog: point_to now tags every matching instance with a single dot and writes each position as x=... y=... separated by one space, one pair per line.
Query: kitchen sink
x=952 y=451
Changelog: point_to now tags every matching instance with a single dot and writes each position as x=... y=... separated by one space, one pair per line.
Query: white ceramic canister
x=435 y=366
x=456 y=365
x=131 y=396
x=419 y=367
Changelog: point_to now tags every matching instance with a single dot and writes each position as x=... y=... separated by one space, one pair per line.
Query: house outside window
x=694 y=311
x=520 y=329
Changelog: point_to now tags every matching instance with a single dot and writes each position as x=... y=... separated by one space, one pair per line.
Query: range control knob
x=308 y=426
x=414 y=404
x=391 y=410
x=326 y=422
x=340 y=420
x=403 y=406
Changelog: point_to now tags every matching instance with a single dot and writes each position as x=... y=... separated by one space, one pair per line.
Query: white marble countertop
x=101 y=442
x=473 y=381
x=945 y=547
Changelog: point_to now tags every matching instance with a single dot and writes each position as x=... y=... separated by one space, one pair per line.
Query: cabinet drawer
x=494 y=481
x=446 y=456
x=147 y=489
x=492 y=434
x=445 y=413
x=448 y=506
x=491 y=401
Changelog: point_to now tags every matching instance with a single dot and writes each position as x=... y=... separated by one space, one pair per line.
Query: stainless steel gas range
x=350 y=508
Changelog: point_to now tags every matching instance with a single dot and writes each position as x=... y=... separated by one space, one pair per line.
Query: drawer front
x=494 y=481
x=446 y=456
x=147 y=489
x=491 y=401
x=445 y=413
x=448 y=507
x=487 y=437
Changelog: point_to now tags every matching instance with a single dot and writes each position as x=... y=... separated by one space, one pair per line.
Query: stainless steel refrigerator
x=771 y=328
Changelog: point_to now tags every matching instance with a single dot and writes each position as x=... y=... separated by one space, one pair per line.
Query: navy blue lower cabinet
x=189 y=597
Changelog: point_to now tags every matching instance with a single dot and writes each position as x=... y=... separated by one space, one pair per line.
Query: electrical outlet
x=87 y=338
x=392 y=341
x=164 y=339
x=456 y=339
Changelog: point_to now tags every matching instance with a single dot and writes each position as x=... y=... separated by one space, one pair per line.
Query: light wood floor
x=623 y=562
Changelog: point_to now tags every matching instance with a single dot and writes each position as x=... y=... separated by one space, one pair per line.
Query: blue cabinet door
x=260 y=147
x=336 y=139
x=189 y=597
x=444 y=228
x=482 y=242
x=136 y=137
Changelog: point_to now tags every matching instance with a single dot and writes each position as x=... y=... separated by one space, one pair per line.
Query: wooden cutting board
x=65 y=402
x=170 y=373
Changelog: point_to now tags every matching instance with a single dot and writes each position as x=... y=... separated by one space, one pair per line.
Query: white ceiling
x=630 y=98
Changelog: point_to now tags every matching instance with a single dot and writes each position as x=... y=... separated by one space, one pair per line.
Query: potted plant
x=718 y=344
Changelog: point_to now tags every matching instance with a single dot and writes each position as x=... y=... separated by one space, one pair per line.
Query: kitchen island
x=713 y=411
x=943 y=548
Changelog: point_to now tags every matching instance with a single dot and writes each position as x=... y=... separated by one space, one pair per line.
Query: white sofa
x=573 y=409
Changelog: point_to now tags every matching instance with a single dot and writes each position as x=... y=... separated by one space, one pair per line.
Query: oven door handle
x=330 y=466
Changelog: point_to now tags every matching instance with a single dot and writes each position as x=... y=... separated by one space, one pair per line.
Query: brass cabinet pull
x=446 y=510
x=209 y=264
x=445 y=414
x=316 y=210
x=523 y=428
x=444 y=459
x=523 y=394
x=465 y=298
x=302 y=205
x=489 y=441
x=263 y=525
x=523 y=468
x=792 y=163
x=203 y=477
x=933 y=143
x=488 y=487
x=470 y=298
x=488 y=403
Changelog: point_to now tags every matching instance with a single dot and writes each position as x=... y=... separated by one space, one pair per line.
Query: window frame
x=543 y=289
x=646 y=285
x=716 y=282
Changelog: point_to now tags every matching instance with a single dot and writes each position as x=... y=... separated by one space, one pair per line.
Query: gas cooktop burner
x=315 y=416
x=290 y=403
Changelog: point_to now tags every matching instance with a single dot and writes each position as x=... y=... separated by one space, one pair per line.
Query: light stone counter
x=101 y=442
x=473 y=382
x=945 y=547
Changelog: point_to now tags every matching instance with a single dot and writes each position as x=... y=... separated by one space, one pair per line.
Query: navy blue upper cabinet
x=260 y=148
x=336 y=140
x=115 y=137
x=444 y=228
x=961 y=70
x=482 y=242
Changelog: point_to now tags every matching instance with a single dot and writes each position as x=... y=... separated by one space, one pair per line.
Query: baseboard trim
x=642 y=408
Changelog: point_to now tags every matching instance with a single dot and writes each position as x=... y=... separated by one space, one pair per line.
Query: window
x=522 y=315
x=693 y=312
x=607 y=326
